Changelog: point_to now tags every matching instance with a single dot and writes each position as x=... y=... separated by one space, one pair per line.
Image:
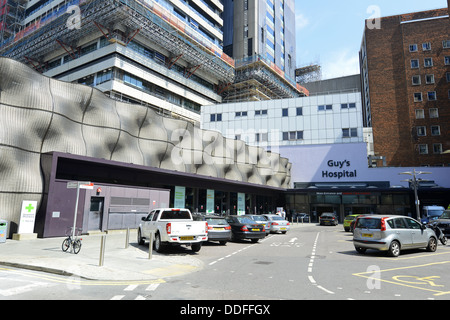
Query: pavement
x=120 y=263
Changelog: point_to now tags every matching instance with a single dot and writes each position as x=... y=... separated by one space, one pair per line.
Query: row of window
x=431 y=95
x=284 y=111
x=130 y=79
x=426 y=46
x=427 y=62
x=420 y=113
x=297 y=135
x=437 y=148
x=435 y=130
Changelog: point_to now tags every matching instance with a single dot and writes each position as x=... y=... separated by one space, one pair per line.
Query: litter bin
x=3 y=230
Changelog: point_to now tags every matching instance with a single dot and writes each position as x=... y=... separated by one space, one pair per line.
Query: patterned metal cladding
x=39 y=114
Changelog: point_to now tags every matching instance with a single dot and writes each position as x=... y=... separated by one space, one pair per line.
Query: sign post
x=78 y=185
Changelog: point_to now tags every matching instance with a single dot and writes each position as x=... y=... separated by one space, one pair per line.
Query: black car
x=328 y=218
x=443 y=222
x=243 y=227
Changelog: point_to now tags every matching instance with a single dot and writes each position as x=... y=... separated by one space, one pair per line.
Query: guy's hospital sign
x=339 y=169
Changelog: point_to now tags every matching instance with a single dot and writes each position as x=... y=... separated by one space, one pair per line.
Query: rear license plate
x=367 y=235
x=218 y=229
x=186 y=238
x=282 y=228
x=255 y=229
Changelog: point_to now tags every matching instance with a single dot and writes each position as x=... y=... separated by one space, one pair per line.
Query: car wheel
x=140 y=240
x=223 y=243
x=394 y=249
x=157 y=244
x=195 y=247
x=432 y=245
x=254 y=240
x=360 y=250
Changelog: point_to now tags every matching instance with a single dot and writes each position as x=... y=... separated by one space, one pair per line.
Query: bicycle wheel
x=66 y=244
x=76 y=246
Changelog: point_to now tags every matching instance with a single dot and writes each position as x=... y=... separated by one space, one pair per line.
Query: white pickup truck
x=172 y=227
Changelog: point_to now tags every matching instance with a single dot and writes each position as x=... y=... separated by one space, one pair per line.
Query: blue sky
x=329 y=32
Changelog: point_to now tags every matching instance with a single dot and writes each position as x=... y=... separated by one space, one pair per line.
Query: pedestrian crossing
x=132 y=288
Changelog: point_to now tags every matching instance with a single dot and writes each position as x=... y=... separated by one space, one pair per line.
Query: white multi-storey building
x=321 y=119
x=163 y=54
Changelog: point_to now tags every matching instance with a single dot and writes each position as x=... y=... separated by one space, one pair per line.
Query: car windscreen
x=246 y=220
x=259 y=218
x=216 y=221
x=434 y=213
x=277 y=218
x=369 y=223
x=175 y=214
x=446 y=215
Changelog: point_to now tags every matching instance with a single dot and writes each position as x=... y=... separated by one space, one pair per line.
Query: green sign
x=179 y=198
x=209 y=201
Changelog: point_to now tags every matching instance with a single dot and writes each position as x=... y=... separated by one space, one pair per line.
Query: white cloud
x=339 y=64
x=300 y=21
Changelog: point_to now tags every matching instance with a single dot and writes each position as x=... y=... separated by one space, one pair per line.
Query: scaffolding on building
x=257 y=80
x=11 y=14
x=147 y=18
x=308 y=73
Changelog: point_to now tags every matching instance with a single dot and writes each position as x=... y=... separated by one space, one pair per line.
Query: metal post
x=76 y=209
x=127 y=239
x=102 y=251
x=150 y=246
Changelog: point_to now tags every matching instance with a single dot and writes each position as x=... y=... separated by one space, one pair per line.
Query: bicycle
x=75 y=243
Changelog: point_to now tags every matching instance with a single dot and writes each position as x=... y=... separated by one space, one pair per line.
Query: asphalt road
x=308 y=263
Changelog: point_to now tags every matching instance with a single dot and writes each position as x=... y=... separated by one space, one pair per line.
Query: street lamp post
x=415 y=183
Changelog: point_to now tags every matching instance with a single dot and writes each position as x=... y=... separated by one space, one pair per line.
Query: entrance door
x=96 y=213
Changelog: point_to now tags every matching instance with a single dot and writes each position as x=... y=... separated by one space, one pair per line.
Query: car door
x=418 y=235
x=146 y=223
x=403 y=232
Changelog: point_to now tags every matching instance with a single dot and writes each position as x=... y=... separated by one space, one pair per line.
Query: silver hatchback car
x=392 y=234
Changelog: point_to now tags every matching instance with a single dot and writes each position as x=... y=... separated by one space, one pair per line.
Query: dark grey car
x=218 y=228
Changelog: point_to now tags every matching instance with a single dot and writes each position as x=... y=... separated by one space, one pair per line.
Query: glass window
x=428 y=62
x=417 y=96
x=421 y=131
x=437 y=148
x=412 y=224
x=420 y=114
x=434 y=113
x=423 y=149
x=435 y=130
x=414 y=63
x=426 y=46
x=431 y=95
x=285 y=112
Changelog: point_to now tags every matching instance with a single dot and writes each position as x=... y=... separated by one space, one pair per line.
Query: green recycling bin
x=3 y=230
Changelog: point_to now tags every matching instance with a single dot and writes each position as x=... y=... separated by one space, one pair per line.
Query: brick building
x=405 y=74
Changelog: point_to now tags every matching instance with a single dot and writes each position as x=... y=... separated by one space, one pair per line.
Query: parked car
x=218 y=228
x=277 y=223
x=348 y=221
x=392 y=234
x=300 y=217
x=329 y=218
x=172 y=226
x=444 y=223
x=262 y=220
x=243 y=227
